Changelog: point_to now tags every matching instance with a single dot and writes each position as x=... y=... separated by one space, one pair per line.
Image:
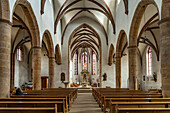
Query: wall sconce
x=124 y=54
x=45 y=54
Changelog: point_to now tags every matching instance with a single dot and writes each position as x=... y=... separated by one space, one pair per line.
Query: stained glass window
x=149 y=61
x=76 y=64
x=94 y=63
x=84 y=60
x=20 y=54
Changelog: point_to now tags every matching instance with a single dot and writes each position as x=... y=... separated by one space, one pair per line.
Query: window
x=84 y=60
x=75 y=64
x=149 y=61
x=20 y=54
x=94 y=63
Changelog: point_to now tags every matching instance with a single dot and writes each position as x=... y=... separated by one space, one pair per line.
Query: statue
x=155 y=77
x=104 y=77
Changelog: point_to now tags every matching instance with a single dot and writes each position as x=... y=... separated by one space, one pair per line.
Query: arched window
x=94 y=63
x=84 y=60
x=20 y=54
x=76 y=63
x=149 y=61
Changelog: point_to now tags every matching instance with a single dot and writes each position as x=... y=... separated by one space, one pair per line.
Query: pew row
x=116 y=105
x=143 y=110
x=108 y=100
x=31 y=107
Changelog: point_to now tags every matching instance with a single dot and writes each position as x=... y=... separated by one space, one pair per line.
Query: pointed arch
x=81 y=26
x=28 y=11
x=120 y=47
x=58 y=54
x=121 y=38
x=63 y=10
x=35 y=43
x=49 y=43
x=111 y=52
x=133 y=35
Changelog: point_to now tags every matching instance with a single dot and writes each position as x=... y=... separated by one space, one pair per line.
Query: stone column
x=5 y=46
x=118 y=69
x=165 y=47
x=132 y=52
x=51 y=71
x=36 y=63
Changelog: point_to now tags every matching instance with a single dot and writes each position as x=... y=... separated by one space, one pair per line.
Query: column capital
x=6 y=21
x=118 y=55
x=132 y=47
x=51 y=57
x=36 y=47
x=163 y=20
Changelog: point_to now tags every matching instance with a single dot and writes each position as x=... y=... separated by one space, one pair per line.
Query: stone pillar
x=5 y=47
x=118 y=69
x=51 y=71
x=132 y=52
x=165 y=47
x=36 y=66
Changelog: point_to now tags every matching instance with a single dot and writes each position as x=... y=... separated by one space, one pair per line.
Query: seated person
x=14 y=91
x=19 y=92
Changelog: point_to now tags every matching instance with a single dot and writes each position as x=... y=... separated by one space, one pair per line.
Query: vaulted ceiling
x=100 y=11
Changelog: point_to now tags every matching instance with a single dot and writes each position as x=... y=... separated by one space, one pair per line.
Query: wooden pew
x=108 y=100
x=45 y=96
x=143 y=110
x=70 y=92
x=75 y=90
x=28 y=110
x=101 y=95
x=115 y=105
x=31 y=107
x=61 y=106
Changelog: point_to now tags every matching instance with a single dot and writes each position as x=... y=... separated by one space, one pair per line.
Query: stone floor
x=85 y=103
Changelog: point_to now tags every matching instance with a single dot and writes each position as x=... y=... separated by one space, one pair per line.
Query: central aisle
x=85 y=103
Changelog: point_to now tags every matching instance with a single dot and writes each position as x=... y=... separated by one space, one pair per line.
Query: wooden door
x=44 y=82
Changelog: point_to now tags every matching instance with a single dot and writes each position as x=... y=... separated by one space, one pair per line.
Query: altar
x=84 y=78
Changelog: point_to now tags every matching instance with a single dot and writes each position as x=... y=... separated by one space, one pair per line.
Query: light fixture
x=45 y=54
x=124 y=54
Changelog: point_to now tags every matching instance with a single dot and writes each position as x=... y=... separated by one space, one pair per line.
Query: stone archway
x=119 y=51
x=5 y=46
x=49 y=44
x=132 y=49
x=35 y=42
x=165 y=47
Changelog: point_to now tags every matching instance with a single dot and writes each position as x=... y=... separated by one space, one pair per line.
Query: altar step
x=84 y=90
